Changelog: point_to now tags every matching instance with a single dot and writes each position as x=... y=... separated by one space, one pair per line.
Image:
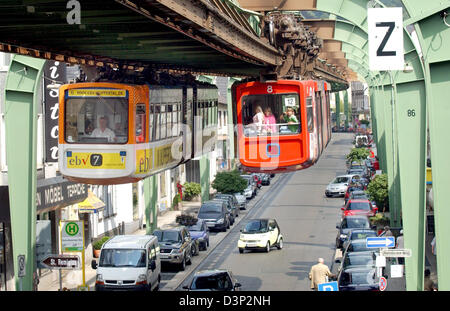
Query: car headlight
x=99 y=278
x=177 y=250
x=141 y=278
x=220 y=221
x=343 y=236
x=241 y=237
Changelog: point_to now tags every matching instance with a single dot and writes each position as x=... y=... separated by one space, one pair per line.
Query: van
x=128 y=262
x=215 y=214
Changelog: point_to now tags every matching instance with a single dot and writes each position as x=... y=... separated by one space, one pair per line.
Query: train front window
x=271 y=114
x=93 y=118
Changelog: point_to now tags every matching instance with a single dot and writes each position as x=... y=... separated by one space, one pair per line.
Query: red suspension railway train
x=282 y=126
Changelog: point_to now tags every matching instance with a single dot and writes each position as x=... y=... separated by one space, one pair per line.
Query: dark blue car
x=200 y=232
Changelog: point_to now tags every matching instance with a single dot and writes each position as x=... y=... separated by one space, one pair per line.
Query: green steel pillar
x=204 y=177
x=22 y=82
x=338 y=110
x=150 y=199
x=411 y=130
x=347 y=115
x=434 y=37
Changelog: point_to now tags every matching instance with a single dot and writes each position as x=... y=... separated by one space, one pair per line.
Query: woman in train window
x=269 y=121
x=258 y=119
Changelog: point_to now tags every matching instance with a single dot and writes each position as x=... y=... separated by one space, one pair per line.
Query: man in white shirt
x=103 y=131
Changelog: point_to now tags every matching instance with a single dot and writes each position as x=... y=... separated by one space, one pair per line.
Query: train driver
x=103 y=131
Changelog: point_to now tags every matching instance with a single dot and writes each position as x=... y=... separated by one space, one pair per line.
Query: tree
x=229 y=182
x=358 y=154
x=191 y=190
x=378 y=191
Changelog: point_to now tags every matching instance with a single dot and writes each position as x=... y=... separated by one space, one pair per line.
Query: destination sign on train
x=98 y=92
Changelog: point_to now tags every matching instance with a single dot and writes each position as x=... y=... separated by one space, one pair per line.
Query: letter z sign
x=385 y=26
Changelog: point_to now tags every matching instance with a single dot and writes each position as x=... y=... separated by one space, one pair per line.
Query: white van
x=128 y=262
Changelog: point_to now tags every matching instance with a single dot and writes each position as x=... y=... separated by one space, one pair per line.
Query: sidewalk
x=71 y=279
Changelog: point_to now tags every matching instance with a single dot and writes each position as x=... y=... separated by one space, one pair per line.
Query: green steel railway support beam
x=346 y=109
x=433 y=32
x=204 y=177
x=150 y=201
x=22 y=85
x=338 y=110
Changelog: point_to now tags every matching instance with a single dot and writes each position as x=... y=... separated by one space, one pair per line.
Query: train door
x=318 y=104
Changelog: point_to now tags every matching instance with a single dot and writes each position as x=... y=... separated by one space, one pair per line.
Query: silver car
x=242 y=200
x=338 y=186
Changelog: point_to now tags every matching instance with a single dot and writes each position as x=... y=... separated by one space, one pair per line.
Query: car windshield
x=219 y=281
x=355 y=223
x=211 y=208
x=167 y=236
x=364 y=260
x=340 y=180
x=122 y=258
x=196 y=227
x=362 y=235
x=365 y=277
x=257 y=226
x=360 y=196
x=360 y=206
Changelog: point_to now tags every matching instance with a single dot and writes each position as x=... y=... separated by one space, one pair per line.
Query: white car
x=338 y=187
x=260 y=234
x=242 y=200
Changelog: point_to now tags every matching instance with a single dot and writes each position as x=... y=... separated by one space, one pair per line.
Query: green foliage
x=229 y=182
x=186 y=220
x=99 y=243
x=358 y=154
x=191 y=190
x=378 y=191
x=364 y=122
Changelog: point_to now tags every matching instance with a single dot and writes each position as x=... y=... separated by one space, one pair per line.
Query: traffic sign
x=383 y=283
x=21 y=266
x=385 y=36
x=61 y=262
x=396 y=252
x=328 y=287
x=380 y=242
x=72 y=236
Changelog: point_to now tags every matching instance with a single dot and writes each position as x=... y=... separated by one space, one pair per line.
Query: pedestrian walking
x=386 y=232
x=319 y=274
x=400 y=245
x=180 y=189
x=433 y=246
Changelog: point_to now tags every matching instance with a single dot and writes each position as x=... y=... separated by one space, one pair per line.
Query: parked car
x=176 y=246
x=358 y=259
x=233 y=200
x=213 y=280
x=350 y=189
x=260 y=234
x=349 y=223
x=229 y=208
x=251 y=182
x=242 y=200
x=359 y=207
x=215 y=214
x=358 y=234
x=338 y=186
x=265 y=179
x=200 y=233
x=128 y=262
x=359 y=194
x=357 y=246
x=358 y=279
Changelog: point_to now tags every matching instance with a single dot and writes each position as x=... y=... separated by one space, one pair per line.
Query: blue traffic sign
x=328 y=287
x=379 y=242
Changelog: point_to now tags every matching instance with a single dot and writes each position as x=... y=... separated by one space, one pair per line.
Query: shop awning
x=92 y=204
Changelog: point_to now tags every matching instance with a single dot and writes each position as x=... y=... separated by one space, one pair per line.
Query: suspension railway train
x=111 y=133
x=281 y=126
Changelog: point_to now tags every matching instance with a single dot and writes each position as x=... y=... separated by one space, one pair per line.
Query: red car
x=359 y=207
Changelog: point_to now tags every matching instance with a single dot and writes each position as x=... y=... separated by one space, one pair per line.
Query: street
x=307 y=220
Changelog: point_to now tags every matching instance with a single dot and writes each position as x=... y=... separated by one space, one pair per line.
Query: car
x=350 y=189
x=357 y=234
x=215 y=214
x=359 y=194
x=358 y=259
x=128 y=262
x=251 y=181
x=359 y=245
x=338 y=186
x=233 y=200
x=200 y=233
x=359 y=207
x=265 y=179
x=361 y=141
x=230 y=209
x=347 y=224
x=213 y=280
x=242 y=200
x=260 y=234
x=175 y=246
x=358 y=279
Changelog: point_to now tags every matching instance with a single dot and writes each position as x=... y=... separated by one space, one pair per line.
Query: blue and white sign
x=328 y=287
x=379 y=242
